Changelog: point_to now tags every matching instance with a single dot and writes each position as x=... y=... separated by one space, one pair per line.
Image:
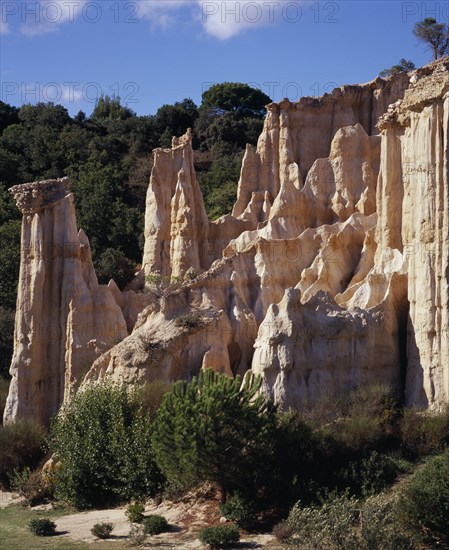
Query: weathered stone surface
x=64 y=318
x=332 y=271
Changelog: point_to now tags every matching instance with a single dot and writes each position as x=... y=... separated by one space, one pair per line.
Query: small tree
x=434 y=34
x=215 y=429
x=402 y=66
x=103 y=442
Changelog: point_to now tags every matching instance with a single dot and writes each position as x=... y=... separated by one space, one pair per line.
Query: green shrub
x=297 y=461
x=423 y=432
x=134 y=512
x=42 y=527
x=424 y=503
x=103 y=441
x=342 y=522
x=215 y=429
x=154 y=524
x=369 y=475
x=375 y=401
x=102 y=530
x=220 y=536
x=189 y=320
x=239 y=510
x=359 y=433
x=31 y=486
x=21 y=446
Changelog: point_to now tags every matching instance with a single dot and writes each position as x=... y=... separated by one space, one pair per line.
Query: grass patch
x=14 y=533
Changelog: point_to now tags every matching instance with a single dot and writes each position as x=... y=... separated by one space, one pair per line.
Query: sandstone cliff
x=332 y=271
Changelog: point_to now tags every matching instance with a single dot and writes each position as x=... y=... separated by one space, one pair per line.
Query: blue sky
x=152 y=52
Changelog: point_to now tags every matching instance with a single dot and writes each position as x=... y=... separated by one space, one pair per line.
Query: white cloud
x=47 y=15
x=226 y=19
x=222 y=19
x=162 y=13
x=4 y=27
x=70 y=95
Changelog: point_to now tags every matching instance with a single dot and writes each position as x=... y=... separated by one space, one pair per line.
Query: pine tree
x=215 y=429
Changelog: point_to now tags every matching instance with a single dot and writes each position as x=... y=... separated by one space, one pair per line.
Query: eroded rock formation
x=64 y=318
x=332 y=271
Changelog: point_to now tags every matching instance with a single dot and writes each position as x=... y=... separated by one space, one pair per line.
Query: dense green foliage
x=239 y=510
x=21 y=446
x=134 y=512
x=221 y=536
x=434 y=34
x=154 y=524
x=215 y=429
x=341 y=522
x=235 y=97
x=42 y=527
x=102 y=439
x=424 y=503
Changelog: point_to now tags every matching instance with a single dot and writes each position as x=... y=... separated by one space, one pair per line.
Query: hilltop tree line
x=108 y=157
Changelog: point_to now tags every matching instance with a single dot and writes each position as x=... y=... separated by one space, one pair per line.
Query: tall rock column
x=64 y=318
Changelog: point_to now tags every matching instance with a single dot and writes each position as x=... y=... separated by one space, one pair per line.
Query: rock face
x=332 y=271
x=64 y=318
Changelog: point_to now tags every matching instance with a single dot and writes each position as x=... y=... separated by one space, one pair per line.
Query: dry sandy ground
x=185 y=519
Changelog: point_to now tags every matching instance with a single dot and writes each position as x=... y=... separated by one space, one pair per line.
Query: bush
x=423 y=433
x=424 y=503
x=239 y=510
x=369 y=475
x=345 y=523
x=102 y=440
x=220 y=536
x=282 y=531
x=31 y=486
x=154 y=524
x=135 y=511
x=189 y=320
x=21 y=446
x=136 y=535
x=42 y=527
x=102 y=530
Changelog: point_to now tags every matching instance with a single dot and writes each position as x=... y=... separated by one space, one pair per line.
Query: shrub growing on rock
x=103 y=441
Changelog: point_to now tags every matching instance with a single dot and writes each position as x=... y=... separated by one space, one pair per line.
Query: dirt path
x=185 y=522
